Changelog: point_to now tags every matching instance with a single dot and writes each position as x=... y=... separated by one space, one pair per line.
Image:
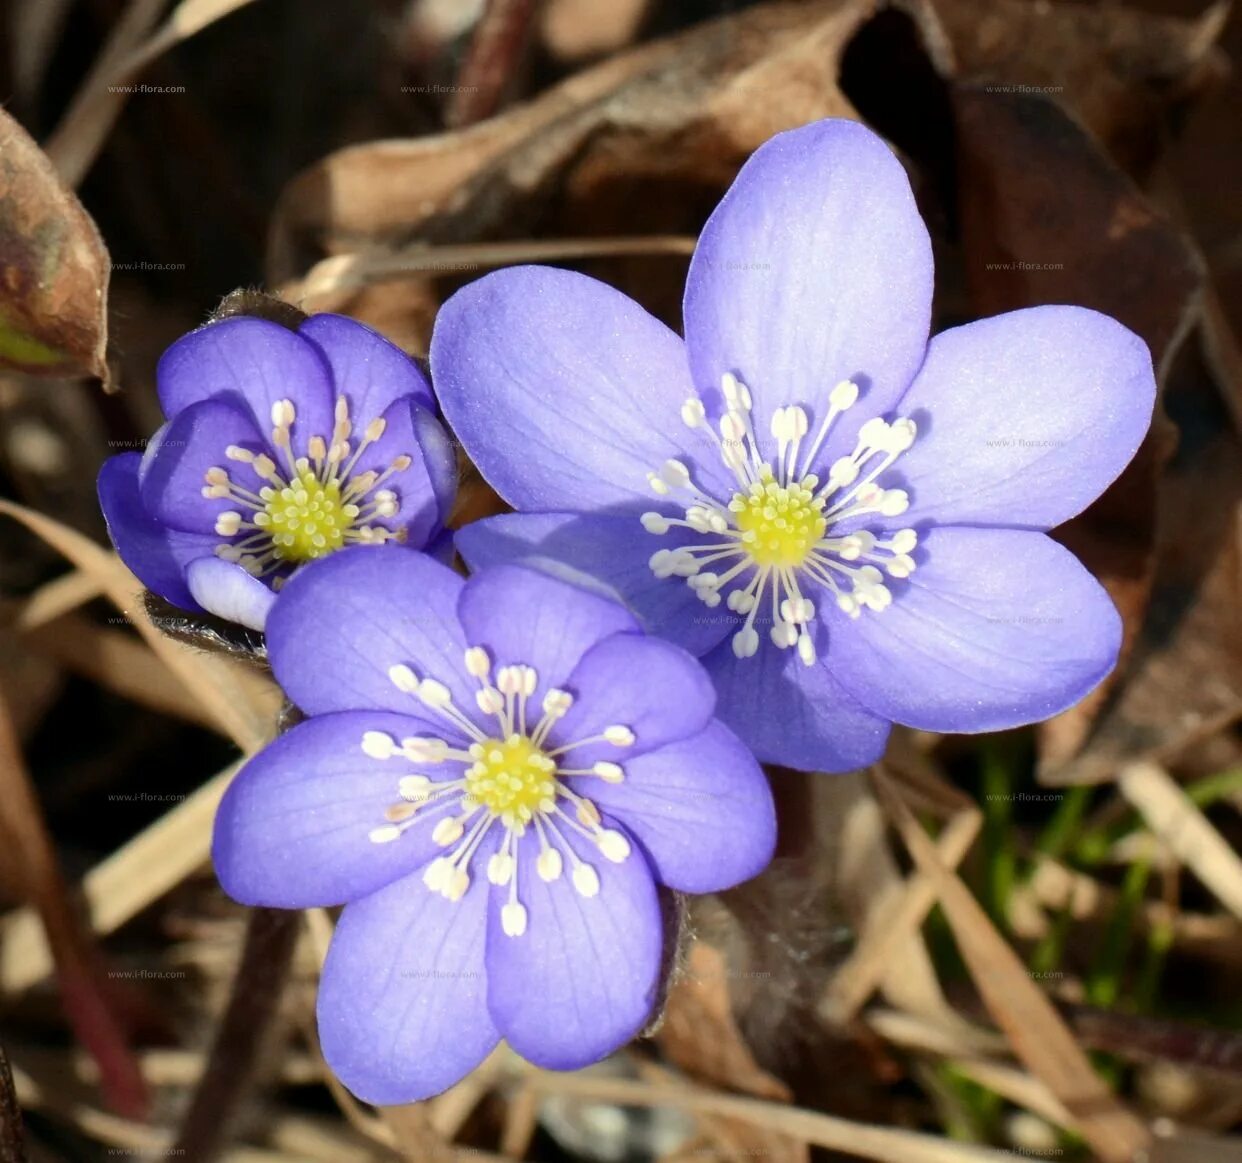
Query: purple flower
x=280 y=447
x=845 y=520
x=495 y=776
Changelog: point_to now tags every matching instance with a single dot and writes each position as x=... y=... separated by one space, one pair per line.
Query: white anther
x=478 y=664
x=613 y=845
x=435 y=874
x=424 y=748
x=586 y=880
x=413 y=787
x=902 y=434
x=500 y=868
x=490 y=701
x=732 y=428
x=447 y=831
x=384 y=835
x=675 y=474
x=746 y=642
x=378 y=745
x=844 y=395
x=513 y=919
x=797 y=609
x=375 y=429
x=784 y=634
x=608 y=772
x=657 y=485
x=509 y=680
x=655 y=523
x=874 y=433
x=455 y=884
x=736 y=393
x=903 y=541
x=693 y=413
x=843 y=471
x=557 y=702
x=619 y=735
x=741 y=602
x=806 y=649
x=549 y=865
x=434 y=694
x=901 y=566
x=227 y=524
x=894 y=502
x=662 y=563
x=403 y=678
x=283 y=413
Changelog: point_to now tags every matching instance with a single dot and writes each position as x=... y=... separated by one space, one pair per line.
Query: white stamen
x=619 y=735
x=586 y=880
x=378 y=745
x=513 y=919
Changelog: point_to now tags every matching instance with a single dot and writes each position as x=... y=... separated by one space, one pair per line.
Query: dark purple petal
x=439 y=459
x=583 y=979
x=403 y=997
x=614 y=549
x=293 y=830
x=792 y=714
x=225 y=589
x=424 y=502
x=565 y=393
x=156 y=554
x=252 y=363
x=178 y=457
x=701 y=808
x=1025 y=418
x=367 y=369
x=996 y=628
x=815 y=268
x=343 y=621
x=522 y=616
x=651 y=686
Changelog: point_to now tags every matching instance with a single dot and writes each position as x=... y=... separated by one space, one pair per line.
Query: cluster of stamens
x=776 y=532
x=512 y=778
x=308 y=506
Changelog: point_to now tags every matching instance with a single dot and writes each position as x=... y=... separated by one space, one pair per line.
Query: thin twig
x=495 y=51
x=267 y=954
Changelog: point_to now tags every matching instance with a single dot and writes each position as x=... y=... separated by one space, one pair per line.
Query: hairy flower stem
x=267 y=954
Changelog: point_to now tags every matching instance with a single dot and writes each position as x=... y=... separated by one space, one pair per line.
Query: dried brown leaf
x=54 y=291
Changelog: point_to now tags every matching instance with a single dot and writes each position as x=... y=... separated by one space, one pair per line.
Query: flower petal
x=342 y=623
x=996 y=628
x=565 y=393
x=815 y=268
x=796 y=715
x=252 y=363
x=701 y=808
x=523 y=616
x=293 y=830
x=1029 y=417
x=367 y=369
x=155 y=554
x=611 y=547
x=403 y=997
x=178 y=456
x=651 y=686
x=583 y=979
x=420 y=488
x=225 y=589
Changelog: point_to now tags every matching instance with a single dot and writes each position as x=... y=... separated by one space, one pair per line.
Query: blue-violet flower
x=495 y=775
x=279 y=448
x=845 y=520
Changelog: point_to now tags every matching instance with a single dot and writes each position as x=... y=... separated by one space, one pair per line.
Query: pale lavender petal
x=293 y=830
x=565 y=393
x=701 y=809
x=815 y=268
x=654 y=688
x=225 y=589
x=614 y=549
x=994 y=629
x=796 y=715
x=583 y=979
x=403 y=997
x=1025 y=418
x=520 y=616
x=341 y=624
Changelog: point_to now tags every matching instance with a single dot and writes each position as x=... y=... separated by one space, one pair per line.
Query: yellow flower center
x=307 y=518
x=513 y=778
x=779 y=524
